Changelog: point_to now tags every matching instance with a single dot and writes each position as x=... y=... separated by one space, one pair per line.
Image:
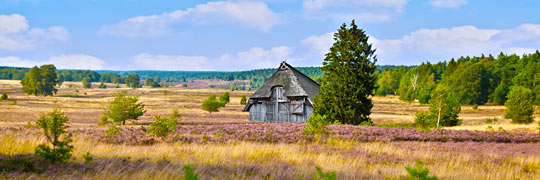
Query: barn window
x=297 y=107
x=277 y=93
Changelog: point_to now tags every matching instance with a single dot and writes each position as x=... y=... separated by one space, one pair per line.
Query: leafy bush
x=475 y=107
x=87 y=158
x=444 y=107
x=243 y=99
x=316 y=124
x=102 y=86
x=189 y=173
x=113 y=129
x=519 y=106
x=4 y=96
x=86 y=83
x=164 y=125
x=419 y=172
x=320 y=175
x=491 y=120
x=366 y=123
x=54 y=128
x=224 y=98
x=424 y=120
x=124 y=107
x=211 y=104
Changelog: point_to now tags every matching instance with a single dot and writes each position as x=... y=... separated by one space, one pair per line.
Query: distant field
x=279 y=151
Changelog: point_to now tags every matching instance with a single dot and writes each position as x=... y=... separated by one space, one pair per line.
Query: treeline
x=18 y=73
x=472 y=80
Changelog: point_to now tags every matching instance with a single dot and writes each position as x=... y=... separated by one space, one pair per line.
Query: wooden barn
x=287 y=96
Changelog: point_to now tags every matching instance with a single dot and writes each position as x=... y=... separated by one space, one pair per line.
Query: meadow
x=225 y=145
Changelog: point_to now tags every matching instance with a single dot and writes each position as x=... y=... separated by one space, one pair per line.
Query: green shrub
x=475 y=107
x=87 y=158
x=124 y=107
x=86 y=83
x=419 y=172
x=519 y=106
x=491 y=120
x=113 y=129
x=424 y=120
x=54 y=126
x=162 y=126
x=211 y=104
x=366 y=123
x=4 y=96
x=316 y=124
x=320 y=175
x=224 y=98
x=102 y=86
x=243 y=100
x=189 y=173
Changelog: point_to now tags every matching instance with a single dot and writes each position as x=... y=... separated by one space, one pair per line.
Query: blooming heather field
x=225 y=145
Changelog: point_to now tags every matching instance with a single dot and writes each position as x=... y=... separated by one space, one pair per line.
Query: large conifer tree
x=348 y=77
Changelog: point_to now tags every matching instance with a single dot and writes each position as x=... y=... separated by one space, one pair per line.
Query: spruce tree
x=348 y=78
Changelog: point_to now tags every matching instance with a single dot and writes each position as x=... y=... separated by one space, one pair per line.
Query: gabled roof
x=295 y=84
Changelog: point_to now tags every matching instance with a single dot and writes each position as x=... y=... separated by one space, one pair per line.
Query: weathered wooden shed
x=287 y=96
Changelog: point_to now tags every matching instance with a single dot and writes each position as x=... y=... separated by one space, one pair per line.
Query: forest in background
x=474 y=80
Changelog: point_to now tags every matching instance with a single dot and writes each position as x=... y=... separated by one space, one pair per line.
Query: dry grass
x=247 y=160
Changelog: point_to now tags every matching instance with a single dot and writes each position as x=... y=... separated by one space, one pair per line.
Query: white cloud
x=366 y=11
x=320 y=44
x=255 y=15
x=16 y=62
x=448 y=3
x=64 y=61
x=254 y=58
x=76 y=61
x=12 y=24
x=166 y=62
x=313 y=5
x=442 y=44
x=16 y=35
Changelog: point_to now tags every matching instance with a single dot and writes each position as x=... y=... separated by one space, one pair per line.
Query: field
x=225 y=145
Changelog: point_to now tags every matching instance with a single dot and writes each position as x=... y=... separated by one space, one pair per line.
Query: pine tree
x=348 y=77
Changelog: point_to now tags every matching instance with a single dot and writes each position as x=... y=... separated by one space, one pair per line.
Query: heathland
x=225 y=145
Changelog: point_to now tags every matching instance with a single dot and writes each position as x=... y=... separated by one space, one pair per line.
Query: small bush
x=424 y=120
x=87 y=158
x=29 y=125
x=102 y=86
x=164 y=125
x=224 y=99
x=211 y=104
x=124 y=107
x=475 y=107
x=366 y=123
x=54 y=126
x=491 y=120
x=519 y=106
x=243 y=100
x=419 y=172
x=189 y=173
x=320 y=175
x=316 y=125
x=4 y=96
x=113 y=129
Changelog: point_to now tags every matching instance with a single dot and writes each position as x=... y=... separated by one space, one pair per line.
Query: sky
x=244 y=35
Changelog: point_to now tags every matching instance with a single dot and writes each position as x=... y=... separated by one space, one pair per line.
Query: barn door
x=277 y=102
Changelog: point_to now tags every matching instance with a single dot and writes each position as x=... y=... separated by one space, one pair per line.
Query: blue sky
x=243 y=35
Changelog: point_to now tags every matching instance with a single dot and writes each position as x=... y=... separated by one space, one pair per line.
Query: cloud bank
x=16 y=34
x=253 y=15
